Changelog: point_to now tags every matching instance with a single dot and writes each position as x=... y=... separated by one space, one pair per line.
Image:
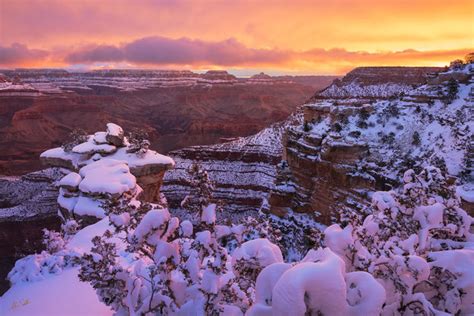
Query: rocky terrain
x=245 y=170
x=27 y=206
x=38 y=108
x=347 y=148
x=74 y=188
x=335 y=150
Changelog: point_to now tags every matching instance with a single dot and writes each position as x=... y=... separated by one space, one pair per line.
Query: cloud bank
x=158 y=51
x=20 y=53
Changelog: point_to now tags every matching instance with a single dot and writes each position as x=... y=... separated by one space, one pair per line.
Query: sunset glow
x=326 y=37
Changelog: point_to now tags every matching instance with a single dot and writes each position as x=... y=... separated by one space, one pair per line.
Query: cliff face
x=177 y=108
x=27 y=206
x=343 y=151
x=243 y=170
x=377 y=82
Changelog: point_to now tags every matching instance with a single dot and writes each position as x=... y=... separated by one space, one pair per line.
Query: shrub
x=452 y=91
x=416 y=139
x=76 y=137
x=139 y=143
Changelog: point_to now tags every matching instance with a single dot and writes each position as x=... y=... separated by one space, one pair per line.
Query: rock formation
x=147 y=167
x=27 y=206
x=343 y=151
x=243 y=170
x=247 y=169
x=75 y=184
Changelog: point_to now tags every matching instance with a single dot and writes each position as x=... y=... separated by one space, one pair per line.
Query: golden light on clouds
x=287 y=36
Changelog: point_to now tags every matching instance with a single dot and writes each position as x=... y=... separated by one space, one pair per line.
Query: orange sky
x=330 y=36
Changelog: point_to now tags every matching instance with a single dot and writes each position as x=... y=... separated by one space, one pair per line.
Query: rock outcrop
x=87 y=174
x=27 y=206
x=343 y=151
x=243 y=170
x=146 y=167
x=247 y=169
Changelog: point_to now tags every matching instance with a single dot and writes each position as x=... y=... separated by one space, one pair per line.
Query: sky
x=278 y=37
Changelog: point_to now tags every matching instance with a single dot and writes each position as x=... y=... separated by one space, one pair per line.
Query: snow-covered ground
x=56 y=294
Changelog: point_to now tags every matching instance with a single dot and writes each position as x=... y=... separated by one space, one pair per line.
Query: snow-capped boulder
x=115 y=134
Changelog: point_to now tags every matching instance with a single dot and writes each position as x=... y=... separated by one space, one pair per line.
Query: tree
x=416 y=139
x=469 y=59
x=457 y=64
x=76 y=137
x=452 y=91
x=406 y=242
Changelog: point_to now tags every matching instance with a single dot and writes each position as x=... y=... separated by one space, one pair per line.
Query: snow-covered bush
x=165 y=266
x=76 y=137
x=52 y=260
x=139 y=143
x=400 y=239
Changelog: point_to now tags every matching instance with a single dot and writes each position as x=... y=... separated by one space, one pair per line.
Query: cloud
x=363 y=57
x=159 y=50
x=183 y=51
x=101 y=53
x=186 y=53
x=19 y=53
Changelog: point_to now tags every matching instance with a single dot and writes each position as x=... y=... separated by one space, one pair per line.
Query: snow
x=208 y=215
x=461 y=263
x=261 y=249
x=266 y=281
x=70 y=180
x=100 y=138
x=149 y=158
x=92 y=147
x=153 y=220
x=318 y=286
x=45 y=293
x=117 y=173
x=187 y=228
x=365 y=295
x=57 y=295
x=87 y=206
x=114 y=130
x=466 y=192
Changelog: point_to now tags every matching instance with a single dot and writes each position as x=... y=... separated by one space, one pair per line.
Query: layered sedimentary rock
x=343 y=151
x=38 y=108
x=238 y=166
x=147 y=166
x=377 y=82
x=27 y=206
x=243 y=170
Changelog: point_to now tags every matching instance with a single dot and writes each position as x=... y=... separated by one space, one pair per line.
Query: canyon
x=39 y=108
x=334 y=150
x=248 y=172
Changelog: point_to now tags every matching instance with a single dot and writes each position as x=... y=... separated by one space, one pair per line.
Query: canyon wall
x=347 y=148
x=38 y=108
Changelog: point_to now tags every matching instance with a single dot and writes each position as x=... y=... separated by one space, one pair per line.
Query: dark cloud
x=102 y=53
x=184 y=51
x=19 y=53
x=161 y=50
